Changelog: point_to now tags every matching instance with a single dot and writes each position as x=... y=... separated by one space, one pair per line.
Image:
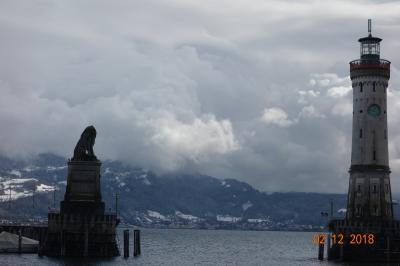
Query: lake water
x=202 y=247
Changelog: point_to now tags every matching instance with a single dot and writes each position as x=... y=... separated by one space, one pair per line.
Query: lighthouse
x=369 y=232
x=369 y=195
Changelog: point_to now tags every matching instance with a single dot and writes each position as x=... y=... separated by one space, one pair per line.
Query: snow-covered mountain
x=31 y=188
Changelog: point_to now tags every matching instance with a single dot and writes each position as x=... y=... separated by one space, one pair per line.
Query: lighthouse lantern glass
x=369 y=49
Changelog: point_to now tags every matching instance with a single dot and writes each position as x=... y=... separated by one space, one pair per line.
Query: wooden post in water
x=321 y=251
x=328 y=246
x=388 y=249
x=86 y=243
x=136 y=242
x=126 y=243
x=63 y=242
x=20 y=241
x=41 y=243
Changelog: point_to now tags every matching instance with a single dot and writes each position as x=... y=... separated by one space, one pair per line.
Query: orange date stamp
x=341 y=239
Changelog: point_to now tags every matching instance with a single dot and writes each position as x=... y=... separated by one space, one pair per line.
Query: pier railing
x=23 y=221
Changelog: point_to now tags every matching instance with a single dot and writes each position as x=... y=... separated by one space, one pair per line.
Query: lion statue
x=84 y=148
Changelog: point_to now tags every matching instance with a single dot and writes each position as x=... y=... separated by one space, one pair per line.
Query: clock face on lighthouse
x=374 y=110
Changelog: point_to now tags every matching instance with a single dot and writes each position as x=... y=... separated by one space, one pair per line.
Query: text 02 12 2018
x=341 y=239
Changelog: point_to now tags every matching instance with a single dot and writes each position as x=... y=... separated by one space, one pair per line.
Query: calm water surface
x=203 y=247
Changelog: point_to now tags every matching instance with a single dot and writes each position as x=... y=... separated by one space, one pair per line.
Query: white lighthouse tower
x=369 y=195
x=368 y=233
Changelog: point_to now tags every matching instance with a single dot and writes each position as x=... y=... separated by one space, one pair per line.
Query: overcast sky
x=253 y=90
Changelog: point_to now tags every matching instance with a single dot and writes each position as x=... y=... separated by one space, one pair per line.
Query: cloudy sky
x=254 y=90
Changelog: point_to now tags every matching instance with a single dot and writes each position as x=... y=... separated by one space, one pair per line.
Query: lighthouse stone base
x=385 y=246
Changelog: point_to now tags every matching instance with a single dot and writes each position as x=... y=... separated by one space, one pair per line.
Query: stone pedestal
x=81 y=228
x=83 y=194
x=83 y=183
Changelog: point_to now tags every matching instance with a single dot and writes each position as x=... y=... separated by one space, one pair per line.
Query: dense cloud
x=259 y=92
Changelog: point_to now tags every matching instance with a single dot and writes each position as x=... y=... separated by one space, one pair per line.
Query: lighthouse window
x=361 y=111
x=358 y=210
x=374 y=155
x=360 y=133
x=359 y=188
x=361 y=87
x=373 y=86
x=374 y=188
